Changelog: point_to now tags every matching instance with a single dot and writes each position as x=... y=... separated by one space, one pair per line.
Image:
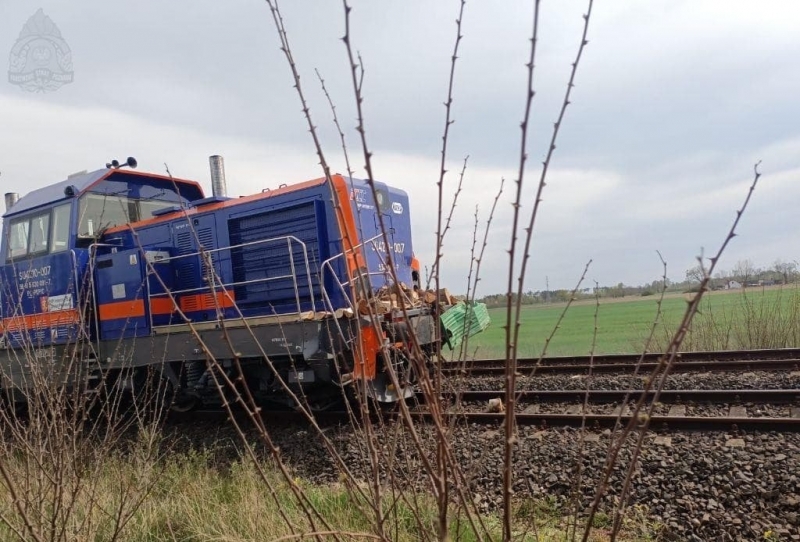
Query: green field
x=752 y=318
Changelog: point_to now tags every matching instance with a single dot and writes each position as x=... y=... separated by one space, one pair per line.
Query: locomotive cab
x=48 y=239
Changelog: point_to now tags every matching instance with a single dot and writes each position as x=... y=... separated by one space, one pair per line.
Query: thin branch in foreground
x=336 y=123
x=442 y=166
x=285 y=48
x=443 y=497
x=512 y=334
x=475 y=265
x=453 y=203
x=287 y=51
x=561 y=316
x=576 y=490
x=648 y=341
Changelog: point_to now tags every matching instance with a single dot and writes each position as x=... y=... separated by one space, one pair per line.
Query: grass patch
x=729 y=320
x=194 y=500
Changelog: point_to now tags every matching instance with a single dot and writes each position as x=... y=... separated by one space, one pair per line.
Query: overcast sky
x=674 y=103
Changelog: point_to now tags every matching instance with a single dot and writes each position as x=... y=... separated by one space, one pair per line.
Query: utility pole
x=547 y=291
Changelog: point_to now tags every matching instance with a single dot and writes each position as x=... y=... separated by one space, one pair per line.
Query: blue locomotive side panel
x=160 y=275
x=274 y=253
x=120 y=291
x=48 y=292
x=276 y=261
x=394 y=207
x=40 y=303
x=254 y=256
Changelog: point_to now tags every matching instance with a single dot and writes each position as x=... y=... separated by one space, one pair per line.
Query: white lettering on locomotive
x=398 y=248
x=35 y=282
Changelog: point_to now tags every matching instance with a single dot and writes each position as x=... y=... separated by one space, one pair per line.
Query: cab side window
x=33 y=235
x=60 y=228
x=40 y=232
x=18 y=238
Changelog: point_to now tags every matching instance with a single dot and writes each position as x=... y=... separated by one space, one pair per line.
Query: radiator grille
x=187 y=272
x=193 y=269
x=267 y=267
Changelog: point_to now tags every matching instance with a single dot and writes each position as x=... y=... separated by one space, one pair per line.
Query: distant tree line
x=745 y=274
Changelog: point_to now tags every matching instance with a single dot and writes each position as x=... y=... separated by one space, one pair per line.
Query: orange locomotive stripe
x=130 y=308
x=161 y=305
x=369 y=339
x=134 y=308
x=347 y=225
x=41 y=320
x=367 y=352
x=205 y=302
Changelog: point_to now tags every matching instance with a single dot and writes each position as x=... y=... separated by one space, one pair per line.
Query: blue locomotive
x=115 y=274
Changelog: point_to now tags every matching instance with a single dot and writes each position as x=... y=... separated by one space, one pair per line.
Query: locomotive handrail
x=225 y=286
x=90 y=265
x=82 y=332
x=328 y=264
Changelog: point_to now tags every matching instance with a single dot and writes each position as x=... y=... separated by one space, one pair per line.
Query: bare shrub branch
x=513 y=325
x=640 y=417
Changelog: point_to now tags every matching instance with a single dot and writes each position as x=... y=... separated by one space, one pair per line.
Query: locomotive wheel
x=151 y=392
x=323 y=400
x=322 y=406
x=181 y=403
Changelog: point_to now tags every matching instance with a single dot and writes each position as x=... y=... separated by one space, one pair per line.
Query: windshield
x=98 y=212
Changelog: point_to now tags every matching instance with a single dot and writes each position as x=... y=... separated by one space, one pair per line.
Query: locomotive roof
x=222 y=204
x=81 y=183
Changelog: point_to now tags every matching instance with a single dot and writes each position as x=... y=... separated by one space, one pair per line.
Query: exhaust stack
x=219 y=188
x=11 y=199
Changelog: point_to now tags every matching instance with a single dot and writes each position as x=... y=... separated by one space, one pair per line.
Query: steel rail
x=775 y=396
x=543 y=421
x=652 y=357
x=680 y=366
x=657 y=423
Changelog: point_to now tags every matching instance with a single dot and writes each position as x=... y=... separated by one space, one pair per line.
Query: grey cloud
x=670 y=101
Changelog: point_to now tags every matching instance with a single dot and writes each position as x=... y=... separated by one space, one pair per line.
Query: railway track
x=589 y=420
x=616 y=396
x=682 y=365
x=652 y=357
x=657 y=423
x=730 y=361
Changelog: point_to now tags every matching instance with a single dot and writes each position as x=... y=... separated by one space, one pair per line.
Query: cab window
x=18 y=238
x=98 y=212
x=40 y=232
x=60 y=228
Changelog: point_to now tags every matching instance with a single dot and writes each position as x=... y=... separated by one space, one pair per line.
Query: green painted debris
x=465 y=320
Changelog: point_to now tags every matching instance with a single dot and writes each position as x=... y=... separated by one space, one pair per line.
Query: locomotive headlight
x=382 y=200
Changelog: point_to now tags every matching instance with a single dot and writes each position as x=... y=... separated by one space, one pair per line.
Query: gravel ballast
x=690 y=485
x=766 y=380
